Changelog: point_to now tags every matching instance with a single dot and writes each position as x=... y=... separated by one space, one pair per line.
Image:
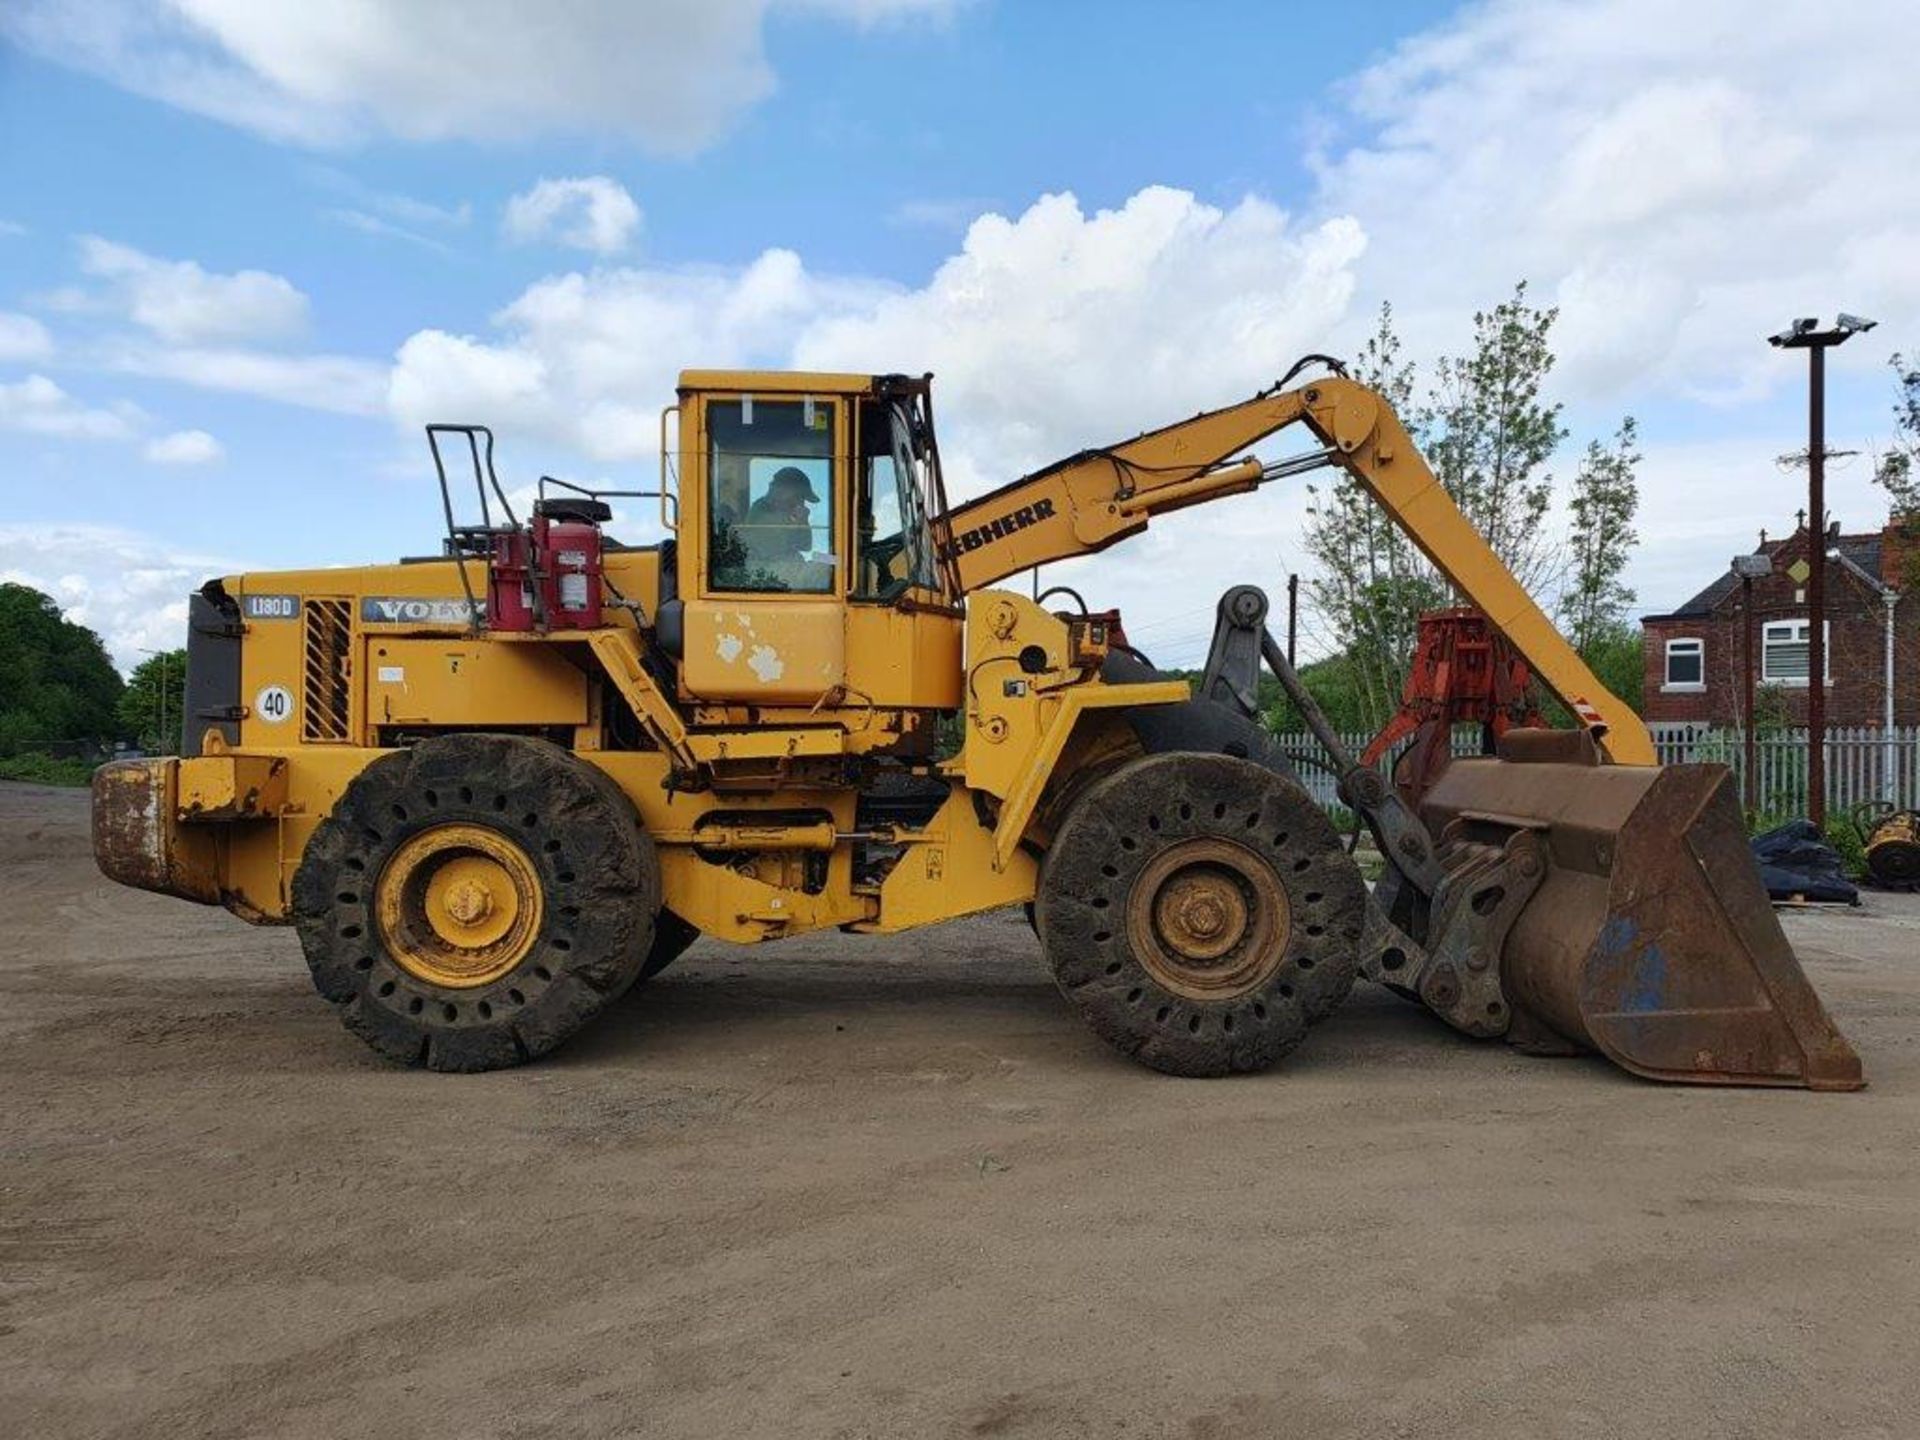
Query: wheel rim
x=1208 y=919
x=458 y=906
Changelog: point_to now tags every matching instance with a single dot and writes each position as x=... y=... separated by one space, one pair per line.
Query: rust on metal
x=1650 y=939
x=137 y=839
x=1209 y=919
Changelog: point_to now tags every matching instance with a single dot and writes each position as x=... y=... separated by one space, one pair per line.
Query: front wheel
x=473 y=901
x=1200 y=912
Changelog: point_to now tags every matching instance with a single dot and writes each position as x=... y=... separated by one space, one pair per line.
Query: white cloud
x=389 y=214
x=12 y=228
x=23 y=338
x=589 y=213
x=182 y=303
x=1050 y=331
x=386 y=229
x=588 y=359
x=673 y=75
x=130 y=588
x=1060 y=329
x=37 y=406
x=184 y=447
x=342 y=384
x=1679 y=178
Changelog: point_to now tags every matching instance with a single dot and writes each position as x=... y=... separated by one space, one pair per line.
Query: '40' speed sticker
x=273 y=704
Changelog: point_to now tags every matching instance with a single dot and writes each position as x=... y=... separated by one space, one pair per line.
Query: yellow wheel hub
x=458 y=906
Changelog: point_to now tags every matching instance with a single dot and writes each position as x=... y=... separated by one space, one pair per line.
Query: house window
x=1784 y=648
x=1686 y=665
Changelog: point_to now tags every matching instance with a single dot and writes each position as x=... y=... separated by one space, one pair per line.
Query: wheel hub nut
x=1205 y=917
x=469 y=903
x=1201 y=914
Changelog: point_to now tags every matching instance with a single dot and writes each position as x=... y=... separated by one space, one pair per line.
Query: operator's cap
x=792 y=477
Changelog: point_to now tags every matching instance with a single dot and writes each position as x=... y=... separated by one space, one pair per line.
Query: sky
x=249 y=247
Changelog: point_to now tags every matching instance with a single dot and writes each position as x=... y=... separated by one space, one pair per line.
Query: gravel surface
x=892 y=1187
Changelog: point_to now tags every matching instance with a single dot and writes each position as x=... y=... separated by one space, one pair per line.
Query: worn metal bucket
x=1651 y=939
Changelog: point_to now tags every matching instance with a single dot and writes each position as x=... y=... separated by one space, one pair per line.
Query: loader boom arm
x=1088 y=501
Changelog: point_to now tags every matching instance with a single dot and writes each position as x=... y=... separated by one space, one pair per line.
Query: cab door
x=763 y=621
x=903 y=631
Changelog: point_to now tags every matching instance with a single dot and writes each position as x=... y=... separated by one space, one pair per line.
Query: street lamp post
x=1808 y=336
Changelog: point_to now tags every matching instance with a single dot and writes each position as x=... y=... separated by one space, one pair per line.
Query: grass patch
x=37 y=769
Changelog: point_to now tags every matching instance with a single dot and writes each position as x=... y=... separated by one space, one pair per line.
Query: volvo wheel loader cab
x=496 y=787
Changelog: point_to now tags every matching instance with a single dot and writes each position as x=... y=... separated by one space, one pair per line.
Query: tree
x=1618 y=662
x=1606 y=495
x=58 y=689
x=1488 y=432
x=1336 y=686
x=1372 y=582
x=1896 y=472
x=151 y=707
x=1490 y=435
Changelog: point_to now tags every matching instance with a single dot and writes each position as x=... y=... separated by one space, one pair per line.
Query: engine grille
x=326 y=696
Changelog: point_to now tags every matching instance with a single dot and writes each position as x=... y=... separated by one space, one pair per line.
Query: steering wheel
x=879 y=555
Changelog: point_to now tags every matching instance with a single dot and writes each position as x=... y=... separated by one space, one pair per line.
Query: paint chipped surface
x=766 y=663
x=729 y=647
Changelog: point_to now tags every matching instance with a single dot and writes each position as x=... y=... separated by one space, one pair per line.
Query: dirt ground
x=847 y=1187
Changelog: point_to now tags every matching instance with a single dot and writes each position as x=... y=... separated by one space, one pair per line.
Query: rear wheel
x=473 y=901
x=1200 y=912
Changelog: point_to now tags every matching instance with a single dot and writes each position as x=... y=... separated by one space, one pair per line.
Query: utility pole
x=1806 y=335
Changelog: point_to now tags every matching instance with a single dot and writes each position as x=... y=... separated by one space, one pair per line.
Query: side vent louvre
x=325 y=708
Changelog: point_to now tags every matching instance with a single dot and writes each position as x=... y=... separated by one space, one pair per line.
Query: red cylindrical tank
x=509 y=583
x=569 y=572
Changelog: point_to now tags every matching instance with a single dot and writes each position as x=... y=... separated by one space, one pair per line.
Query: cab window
x=770 y=521
x=894 y=549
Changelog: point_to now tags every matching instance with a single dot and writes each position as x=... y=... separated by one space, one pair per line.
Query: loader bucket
x=1651 y=940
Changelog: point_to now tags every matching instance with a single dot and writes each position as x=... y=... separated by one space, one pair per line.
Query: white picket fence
x=1863 y=764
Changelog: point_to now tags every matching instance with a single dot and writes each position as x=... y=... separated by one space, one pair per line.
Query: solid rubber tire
x=599 y=879
x=1113 y=832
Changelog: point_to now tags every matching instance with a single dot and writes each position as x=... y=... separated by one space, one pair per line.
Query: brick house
x=1692 y=655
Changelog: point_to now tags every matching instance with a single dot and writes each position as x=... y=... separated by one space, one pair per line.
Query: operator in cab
x=778 y=533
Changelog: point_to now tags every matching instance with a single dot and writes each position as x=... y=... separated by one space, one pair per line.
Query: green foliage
x=1606 y=494
x=1488 y=430
x=58 y=689
x=35 y=768
x=1373 y=583
x=1339 y=684
x=151 y=709
x=1617 y=661
x=1490 y=433
x=1853 y=850
x=1896 y=473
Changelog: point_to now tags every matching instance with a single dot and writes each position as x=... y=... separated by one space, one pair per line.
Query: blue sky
x=246 y=247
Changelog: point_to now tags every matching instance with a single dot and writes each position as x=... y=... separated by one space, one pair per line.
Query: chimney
x=1833 y=532
x=1897 y=544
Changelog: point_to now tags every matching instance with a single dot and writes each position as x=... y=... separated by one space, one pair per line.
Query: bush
x=38 y=769
x=1853 y=851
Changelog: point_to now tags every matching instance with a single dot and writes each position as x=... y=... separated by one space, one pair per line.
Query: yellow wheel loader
x=494 y=787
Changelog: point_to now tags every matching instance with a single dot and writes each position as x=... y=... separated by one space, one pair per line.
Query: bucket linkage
x=1566 y=904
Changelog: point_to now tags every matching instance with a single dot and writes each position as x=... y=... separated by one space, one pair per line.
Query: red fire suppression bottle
x=566 y=541
x=510 y=582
